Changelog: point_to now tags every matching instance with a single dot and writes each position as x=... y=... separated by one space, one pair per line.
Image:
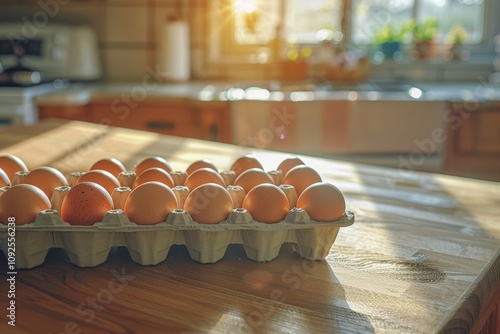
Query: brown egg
x=245 y=162
x=11 y=164
x=86 y=203
x=301 y=177
x=154 y=174
x=150 y=163
x=266 y=203
x=4 y=179
x=289 y=163
x=102 y=177
x=252 y=177
x=202 y=176
x=209 y=203
x=323 y=202
x=46 y=178
x=150 y=203
x=22 y=202
x=201 y=164
x=112 y=165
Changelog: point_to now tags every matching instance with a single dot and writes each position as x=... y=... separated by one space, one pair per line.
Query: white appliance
x=57 y=51
x=375 y=132
x=40 y=60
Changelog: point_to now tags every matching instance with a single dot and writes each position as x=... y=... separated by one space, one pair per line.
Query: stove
x=17 y=104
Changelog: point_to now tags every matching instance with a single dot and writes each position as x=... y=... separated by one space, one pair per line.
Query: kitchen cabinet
x=473 y=143
x=213 y=119
x=70 y=112
x=176 y=117
x=396 y=127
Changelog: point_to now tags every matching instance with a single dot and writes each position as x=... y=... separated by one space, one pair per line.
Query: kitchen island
x=423 y=255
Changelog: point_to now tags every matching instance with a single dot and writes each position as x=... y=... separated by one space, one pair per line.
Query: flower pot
x=390 y=48
x=425 y=50
x=455 y=52
x=294 y=70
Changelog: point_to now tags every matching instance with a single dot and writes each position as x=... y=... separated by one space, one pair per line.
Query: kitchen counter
x=375 y=122
x=274 y=91
x=423 y=255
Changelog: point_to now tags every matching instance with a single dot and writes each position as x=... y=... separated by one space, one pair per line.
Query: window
x=242 y=30
x=307 y=22
x=241 y=27
x=255 y=22
x=370 y=15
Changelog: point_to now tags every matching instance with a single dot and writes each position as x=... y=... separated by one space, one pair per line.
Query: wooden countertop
x=421 y=257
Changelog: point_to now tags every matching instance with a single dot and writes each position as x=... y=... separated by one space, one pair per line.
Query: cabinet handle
x=160 y=125
x=6 y=121
x=214 y=132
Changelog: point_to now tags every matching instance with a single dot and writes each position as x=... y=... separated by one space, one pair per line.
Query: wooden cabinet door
x=480 y=132
x=77 y=112
x=213 y=121
x=473 y=141
x=201 y=120
x=169 y=119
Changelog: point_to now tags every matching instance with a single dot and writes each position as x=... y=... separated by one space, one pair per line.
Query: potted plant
x=389 y=39
x=424 y=35
x=295 y=67
x=455 y=38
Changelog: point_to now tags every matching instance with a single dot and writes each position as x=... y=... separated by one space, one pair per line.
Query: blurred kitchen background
x=413 y=84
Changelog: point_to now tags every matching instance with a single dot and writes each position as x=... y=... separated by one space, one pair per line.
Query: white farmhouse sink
x=358 y=128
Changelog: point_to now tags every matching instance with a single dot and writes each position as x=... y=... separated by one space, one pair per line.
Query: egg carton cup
x=89 y=246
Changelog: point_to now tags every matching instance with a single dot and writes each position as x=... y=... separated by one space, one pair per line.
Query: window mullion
x=345 y=23
x=416 y=7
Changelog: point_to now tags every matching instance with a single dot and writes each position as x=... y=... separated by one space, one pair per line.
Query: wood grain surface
x=423 y=255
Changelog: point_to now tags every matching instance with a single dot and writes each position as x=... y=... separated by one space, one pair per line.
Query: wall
x=128 y=29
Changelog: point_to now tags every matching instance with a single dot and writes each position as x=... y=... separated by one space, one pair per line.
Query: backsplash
x=126 y=29
x=128 y=40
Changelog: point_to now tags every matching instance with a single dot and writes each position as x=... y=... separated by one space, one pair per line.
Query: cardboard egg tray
x=89 y=246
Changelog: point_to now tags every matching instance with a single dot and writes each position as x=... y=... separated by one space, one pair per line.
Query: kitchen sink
x=393 y=86
x=325 y=86
x=366 y=86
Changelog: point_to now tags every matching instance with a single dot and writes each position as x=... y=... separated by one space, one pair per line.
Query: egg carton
x=89 y=246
